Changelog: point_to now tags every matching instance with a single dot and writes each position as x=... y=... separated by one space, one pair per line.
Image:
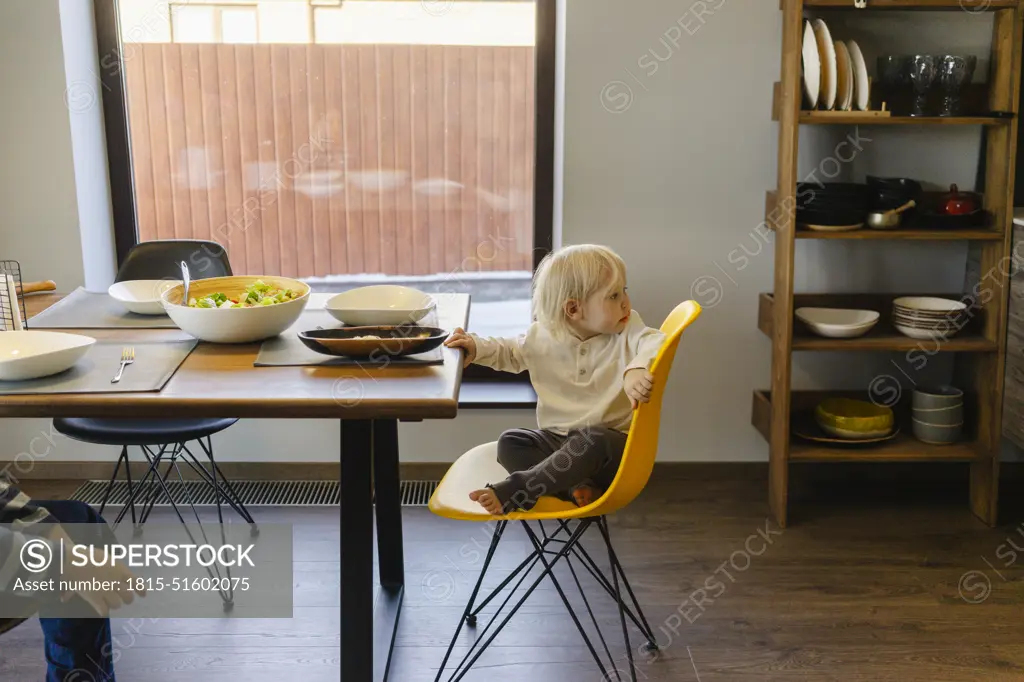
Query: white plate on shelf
x=827 y=54
x=844 y=76
x=811 y=66
x=861 y=84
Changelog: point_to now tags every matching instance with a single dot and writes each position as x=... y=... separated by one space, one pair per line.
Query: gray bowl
x=937 y=397
x=942 y=416
x=937 y=434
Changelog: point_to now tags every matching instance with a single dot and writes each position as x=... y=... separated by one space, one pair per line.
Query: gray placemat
x=287 y=350
x=155 y=363
x=83 y=309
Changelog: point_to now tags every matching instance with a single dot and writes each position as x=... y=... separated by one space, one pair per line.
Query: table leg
x=356 y=551
x=389 y=503
x=390 y=560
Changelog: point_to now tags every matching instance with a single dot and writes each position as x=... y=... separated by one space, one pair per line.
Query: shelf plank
x=883 y=337
x=970 y=6
x=902 y=448
x=912 y=234
x=811 y=118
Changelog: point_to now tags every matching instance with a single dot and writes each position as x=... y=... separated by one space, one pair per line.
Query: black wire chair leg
x=227 y=596
x=528 y=563
x=652 y=643
x=140 y=491
x=218 y=485
x=467 y=662
x=151 y=502
x=588 y=563
x=113 y=478
x=239 y=505
x=603 y=527
x=466 y=615
x=580 y=529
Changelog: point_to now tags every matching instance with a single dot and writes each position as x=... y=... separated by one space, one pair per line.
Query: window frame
x=122 y=183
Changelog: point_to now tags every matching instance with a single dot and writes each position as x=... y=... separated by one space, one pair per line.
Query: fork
x=127 y=358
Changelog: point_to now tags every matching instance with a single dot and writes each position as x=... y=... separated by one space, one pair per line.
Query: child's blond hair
x=572 y=272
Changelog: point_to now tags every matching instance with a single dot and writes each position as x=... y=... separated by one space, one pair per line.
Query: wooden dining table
x=221 y=381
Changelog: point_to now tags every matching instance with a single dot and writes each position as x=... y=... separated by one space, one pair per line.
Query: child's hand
x=460 y=339
x=638 y=384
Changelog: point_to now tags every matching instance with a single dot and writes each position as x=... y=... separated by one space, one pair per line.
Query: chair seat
x=139 y=431
x=473 y=471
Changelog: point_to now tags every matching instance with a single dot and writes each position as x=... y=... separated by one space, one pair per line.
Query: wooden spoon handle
x=38 y=287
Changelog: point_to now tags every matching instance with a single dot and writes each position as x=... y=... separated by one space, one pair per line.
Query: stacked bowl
x=928 y=317
x=938 y=414
x=831 y=206
x=851 y=419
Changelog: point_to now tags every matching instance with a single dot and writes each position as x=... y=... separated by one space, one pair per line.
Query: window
x=202 y=23
x=341 y=143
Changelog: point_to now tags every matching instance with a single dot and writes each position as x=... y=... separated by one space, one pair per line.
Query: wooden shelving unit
x=980 y=346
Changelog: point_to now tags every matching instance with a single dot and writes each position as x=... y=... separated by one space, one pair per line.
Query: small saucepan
x=881 y=220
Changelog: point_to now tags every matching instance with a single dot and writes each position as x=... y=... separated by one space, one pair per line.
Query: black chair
x=163 y=440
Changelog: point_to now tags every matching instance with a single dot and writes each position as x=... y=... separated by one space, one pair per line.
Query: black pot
x=846 y=217
x=905 y=185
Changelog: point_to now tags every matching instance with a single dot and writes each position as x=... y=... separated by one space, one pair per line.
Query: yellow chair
x=480 y=465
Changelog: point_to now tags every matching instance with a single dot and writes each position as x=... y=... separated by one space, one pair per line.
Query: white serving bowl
x=141 y=296
x=380 y=304
x=33 y=354
x=234 y=325
x=838 y=323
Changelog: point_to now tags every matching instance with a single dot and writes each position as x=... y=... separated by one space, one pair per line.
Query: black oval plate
x=393 y=340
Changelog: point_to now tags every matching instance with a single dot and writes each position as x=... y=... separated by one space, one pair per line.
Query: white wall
x=667 y=165
x=38 y=202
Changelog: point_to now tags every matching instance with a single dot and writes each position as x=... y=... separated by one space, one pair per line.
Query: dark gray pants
x=541 y=462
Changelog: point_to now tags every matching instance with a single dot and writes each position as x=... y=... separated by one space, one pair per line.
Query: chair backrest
x=642 y=442
x=161 y=259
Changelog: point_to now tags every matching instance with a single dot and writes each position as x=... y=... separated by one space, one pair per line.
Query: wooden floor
x=874 y=580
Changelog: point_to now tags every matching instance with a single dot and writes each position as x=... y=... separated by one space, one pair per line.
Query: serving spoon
x=186 y=279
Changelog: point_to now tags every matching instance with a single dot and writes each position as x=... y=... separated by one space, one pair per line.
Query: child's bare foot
x=487 y=499
x=585 y=495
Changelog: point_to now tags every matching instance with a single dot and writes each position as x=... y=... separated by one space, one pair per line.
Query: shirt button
x=583 y=351
x=582 y=372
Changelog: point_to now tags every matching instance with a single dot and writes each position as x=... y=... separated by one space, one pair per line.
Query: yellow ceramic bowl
x=848 y=418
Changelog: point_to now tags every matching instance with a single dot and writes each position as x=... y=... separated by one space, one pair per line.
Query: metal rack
x=12 y=298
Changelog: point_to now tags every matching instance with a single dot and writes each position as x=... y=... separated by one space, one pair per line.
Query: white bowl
x=141 y=296
x=234 y=325
x=33 y=354
x=380 y=304
x=838 y=323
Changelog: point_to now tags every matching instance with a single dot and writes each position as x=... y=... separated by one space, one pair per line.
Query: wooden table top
x=220 y=381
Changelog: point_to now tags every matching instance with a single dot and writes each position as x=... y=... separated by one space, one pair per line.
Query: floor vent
x=253 y=493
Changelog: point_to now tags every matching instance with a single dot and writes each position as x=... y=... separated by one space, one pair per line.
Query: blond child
x=589 y=356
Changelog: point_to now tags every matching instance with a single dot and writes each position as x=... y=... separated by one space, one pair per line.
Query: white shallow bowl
x=235 y=325
x=838 y=323
x=141 y=296
x=379 y=305
x=929 y=304
x=33 y=354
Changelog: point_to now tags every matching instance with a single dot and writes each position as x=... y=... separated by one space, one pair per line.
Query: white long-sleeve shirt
x=578 y=383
